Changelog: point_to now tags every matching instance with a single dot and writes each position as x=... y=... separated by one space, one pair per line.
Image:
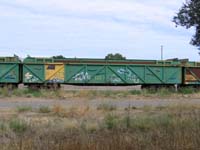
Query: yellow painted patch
x=54 y=73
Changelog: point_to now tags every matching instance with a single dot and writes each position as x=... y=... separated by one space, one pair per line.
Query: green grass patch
x=18 y=126
x=111 y=121
x=5 y=92
x=24 y=108
x=106 y=107
x=44 y=109
x=187 y=90
x=135 y=92
x=3 y=126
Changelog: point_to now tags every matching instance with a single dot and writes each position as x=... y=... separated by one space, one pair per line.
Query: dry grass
x=71 y=112
x=84 y=128
x=93 y=94
x=106 y=107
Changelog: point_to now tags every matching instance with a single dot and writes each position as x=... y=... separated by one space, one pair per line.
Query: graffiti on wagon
x=130 y=76
x=11 y=76
x=30 y=78
x=83 y=76
x=115 y=79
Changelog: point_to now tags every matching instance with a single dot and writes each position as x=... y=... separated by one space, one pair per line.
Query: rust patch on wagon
x=192 y=75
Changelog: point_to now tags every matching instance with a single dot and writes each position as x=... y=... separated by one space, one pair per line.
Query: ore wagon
x=10 y=72
x=191 y=74
x=40 y=72
x=53 y=72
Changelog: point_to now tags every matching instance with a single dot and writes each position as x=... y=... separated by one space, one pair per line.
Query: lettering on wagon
x=30 y=78
x=130 y=76
x=83 y=76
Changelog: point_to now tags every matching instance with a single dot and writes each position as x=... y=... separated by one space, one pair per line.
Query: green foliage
x=146 y=123
x=18 y=126
x=187 y=90
x=164 y=92
x=2 y=126
x=59 y=57
x=135 y=92
x=116 y=56
x=188 y=16
x=127 y=121
x=164 y=121
x=5 y=92
x=106 y=107
x=111 y=121
x=24 y=108
x=44 y=109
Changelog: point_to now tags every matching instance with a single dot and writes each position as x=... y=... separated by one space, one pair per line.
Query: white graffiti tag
x=123 y=71
x=130 y=76
x=114 y=79
x=30 y=78
x=81 y=76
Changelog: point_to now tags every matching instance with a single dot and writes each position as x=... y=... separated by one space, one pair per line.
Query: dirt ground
x=9 y=103
x=112 y=88
x=13 y=102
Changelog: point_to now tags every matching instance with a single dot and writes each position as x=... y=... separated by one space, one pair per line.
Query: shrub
x=5 y=92
x=163 y=121
x=164 y=92
x=111 y=121
x=18 y=126
x=135 y=92
x=142 y=123
x=44 y=109
x=2 y=126
x=187 y=90
x=106 y=107
x=24 y=108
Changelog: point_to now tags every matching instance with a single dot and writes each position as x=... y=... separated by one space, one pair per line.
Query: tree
x=189 y=16
x=116 y=56
x=59 y=57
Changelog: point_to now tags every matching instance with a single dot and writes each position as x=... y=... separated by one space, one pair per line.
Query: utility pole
x=161 y=52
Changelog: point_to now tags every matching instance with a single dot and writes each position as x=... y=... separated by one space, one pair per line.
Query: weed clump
x=187 y=90
x=2 y=126
x=21 y=109
x=5 y=92
x=18 y=126
x=44 y=109
x=107 y=107
x=111 y=121
x=135 y=92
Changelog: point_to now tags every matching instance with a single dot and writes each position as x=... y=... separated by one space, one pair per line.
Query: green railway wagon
x=39 y=72
x=122 y=74
x=100 y=72
x=10 y=71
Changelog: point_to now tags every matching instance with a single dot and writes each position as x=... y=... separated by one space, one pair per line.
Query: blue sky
x=93 y=28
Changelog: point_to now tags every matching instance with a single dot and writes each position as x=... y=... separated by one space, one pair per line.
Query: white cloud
x=133 y=10
x=133 y=27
